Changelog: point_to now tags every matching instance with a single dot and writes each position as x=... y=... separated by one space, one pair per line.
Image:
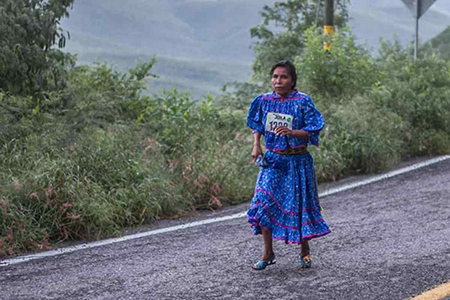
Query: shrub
x=418 y=91
x=63 y=182
x=101 y=182
x=336 y=75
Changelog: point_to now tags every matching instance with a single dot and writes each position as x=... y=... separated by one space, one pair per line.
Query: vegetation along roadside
x=85 y=153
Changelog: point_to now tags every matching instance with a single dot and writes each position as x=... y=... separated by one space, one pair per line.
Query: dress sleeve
x=255 y=115
x=313 y=120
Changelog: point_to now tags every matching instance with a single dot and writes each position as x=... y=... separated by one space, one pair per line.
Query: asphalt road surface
x=390 y=240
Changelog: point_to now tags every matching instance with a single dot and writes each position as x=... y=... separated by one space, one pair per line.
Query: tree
x=281 y=34
x=338 y=75
x=29 y=30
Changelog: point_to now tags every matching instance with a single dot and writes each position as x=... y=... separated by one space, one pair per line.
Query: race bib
x=274 y=120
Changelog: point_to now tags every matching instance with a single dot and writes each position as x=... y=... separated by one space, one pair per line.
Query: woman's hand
x=256 y=152
x=283 y=131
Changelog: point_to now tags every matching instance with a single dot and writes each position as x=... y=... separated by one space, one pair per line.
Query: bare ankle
x=305 y=249
x=268 y=255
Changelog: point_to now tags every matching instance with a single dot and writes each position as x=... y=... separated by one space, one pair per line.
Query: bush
x=335 y=76
x=418 y=91
x=366 y=138
x=99 y=95
x=100 y=183
x=64 y=182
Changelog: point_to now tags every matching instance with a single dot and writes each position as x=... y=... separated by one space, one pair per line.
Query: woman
x=285 y=205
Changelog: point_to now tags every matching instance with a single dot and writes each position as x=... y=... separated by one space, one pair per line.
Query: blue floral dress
x=285 y=200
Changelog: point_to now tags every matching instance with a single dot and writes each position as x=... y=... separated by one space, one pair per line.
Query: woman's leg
x=305 y=248
x=305 y=258
x=268 y=247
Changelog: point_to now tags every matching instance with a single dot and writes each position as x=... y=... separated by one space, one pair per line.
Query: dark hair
x=290 y=67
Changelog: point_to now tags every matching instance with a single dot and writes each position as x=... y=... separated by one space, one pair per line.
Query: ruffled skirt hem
x=260 y=218
x=286 y=201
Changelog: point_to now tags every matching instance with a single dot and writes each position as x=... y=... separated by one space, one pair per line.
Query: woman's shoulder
x=297 y=95
x=268 y=96
x=263 y=96
x=301 y=98
x=294 y=95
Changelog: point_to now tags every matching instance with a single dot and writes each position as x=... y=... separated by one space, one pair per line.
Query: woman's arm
x=256 y=145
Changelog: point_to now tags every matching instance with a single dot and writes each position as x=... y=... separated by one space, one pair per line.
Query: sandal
x=262 y=264
x=305 y=261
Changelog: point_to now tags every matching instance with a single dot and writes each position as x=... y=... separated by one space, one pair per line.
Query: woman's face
x=282 y=81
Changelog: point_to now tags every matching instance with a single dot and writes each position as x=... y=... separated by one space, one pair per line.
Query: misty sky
x=185 y=34
x=207 y=28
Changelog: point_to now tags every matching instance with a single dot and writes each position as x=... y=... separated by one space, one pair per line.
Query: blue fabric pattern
x=297 y=104
x=285 y=200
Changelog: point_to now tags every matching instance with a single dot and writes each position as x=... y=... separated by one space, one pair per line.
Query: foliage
x=29 y=29
x=360 y=138
x=281 y=34
x=58 y=188
x=418 y=91
x=99 y=95
x=335 y=75
x=83 y=173
x=238 y=95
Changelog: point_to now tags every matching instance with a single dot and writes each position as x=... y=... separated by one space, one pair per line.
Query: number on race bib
x=274 y=120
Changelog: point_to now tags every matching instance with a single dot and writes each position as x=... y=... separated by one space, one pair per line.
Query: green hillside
x=442 y=42
x=198 y=77
x=200 y=45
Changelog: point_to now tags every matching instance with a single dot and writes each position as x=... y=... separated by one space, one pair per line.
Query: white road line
x=384 y=176
x=22 y=259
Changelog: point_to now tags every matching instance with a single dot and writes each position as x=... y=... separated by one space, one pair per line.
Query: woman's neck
x=285 y=95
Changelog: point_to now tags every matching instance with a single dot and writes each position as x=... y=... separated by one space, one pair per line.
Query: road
x=390 y=240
